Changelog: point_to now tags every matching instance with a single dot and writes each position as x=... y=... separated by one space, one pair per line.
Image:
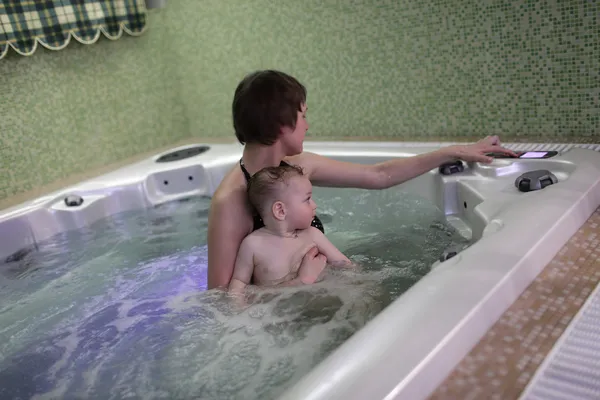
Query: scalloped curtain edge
x=71 y=34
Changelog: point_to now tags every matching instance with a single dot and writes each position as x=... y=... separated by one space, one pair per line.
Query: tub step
x=461 y=226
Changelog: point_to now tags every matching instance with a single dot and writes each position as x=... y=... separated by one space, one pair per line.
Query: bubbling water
x=120 y=310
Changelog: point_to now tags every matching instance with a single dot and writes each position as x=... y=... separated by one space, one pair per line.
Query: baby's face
x=299 y=203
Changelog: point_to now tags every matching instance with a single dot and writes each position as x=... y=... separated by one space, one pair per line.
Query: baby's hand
x=312 y=265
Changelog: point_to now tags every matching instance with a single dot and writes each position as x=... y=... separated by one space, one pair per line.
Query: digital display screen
x=533 y=154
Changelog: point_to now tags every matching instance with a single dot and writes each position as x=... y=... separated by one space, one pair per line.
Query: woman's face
x=294 y=138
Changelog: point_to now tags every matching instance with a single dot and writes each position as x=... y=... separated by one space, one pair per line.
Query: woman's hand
x=477 y=151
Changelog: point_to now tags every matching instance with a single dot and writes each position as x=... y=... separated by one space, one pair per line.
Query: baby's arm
x=243 y=269
x=333 y=255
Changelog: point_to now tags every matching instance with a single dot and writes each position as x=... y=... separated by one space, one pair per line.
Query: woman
x=269 y=118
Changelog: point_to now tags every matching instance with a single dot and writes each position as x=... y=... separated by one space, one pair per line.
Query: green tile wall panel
x=86 y=106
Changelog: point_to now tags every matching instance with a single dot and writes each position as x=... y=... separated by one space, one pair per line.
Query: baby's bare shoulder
x=252 y=240
x=310 y=233
x=260 y=239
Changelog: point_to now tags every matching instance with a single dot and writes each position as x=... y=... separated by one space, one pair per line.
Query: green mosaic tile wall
x=86 y=106
x=414 y=70
x=404 y=69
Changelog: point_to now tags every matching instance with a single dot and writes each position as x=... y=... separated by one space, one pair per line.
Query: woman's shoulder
x=229 y=207
x=303 y=159
x=306 y=160
x=230 y=196
x=232 y=187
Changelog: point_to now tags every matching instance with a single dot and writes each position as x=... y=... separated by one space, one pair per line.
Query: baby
x=273 y=254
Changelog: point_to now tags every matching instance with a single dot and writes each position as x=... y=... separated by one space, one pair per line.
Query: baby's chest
x=283 y=258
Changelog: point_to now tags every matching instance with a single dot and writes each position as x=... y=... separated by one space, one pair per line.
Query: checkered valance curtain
x=52 y=23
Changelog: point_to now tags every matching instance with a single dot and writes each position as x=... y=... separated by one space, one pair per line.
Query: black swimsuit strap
x=244 y=170
x=247 y=174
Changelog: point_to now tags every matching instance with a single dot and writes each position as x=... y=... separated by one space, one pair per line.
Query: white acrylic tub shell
x=407 y=350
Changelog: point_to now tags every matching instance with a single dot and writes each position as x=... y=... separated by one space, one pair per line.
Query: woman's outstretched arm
x=324 y=171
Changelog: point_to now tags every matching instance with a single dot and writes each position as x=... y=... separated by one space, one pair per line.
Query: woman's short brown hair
x=264 y=102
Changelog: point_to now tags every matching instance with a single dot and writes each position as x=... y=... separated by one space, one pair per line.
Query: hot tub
x=410 y=346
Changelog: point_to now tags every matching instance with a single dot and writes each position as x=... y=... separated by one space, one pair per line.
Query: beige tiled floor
x=506 y=358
